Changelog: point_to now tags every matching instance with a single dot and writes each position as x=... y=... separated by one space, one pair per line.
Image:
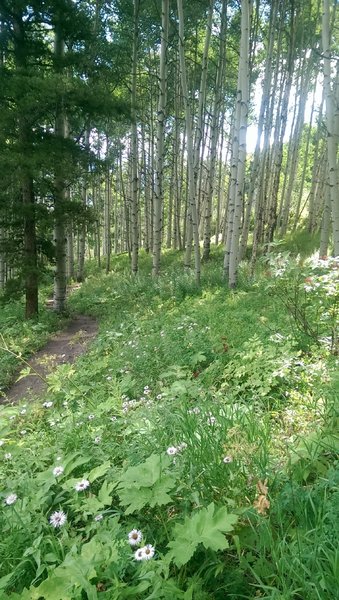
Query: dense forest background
x=128 y=125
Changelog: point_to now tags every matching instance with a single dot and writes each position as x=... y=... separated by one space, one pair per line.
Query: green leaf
x=104 y=495
x=147 y=483
x=207 y=527
x=98 y=471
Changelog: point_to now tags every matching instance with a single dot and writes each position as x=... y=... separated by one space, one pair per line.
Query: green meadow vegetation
x=191 y=453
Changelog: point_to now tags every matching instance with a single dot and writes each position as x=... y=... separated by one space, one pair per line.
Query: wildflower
x=109 y=378
x=172 y=450
x=113 y=419
x=58 y=518
x=139 y=554
x=47 y=404
x=82 y=485
x=159 y=396
x=227 y=459
x=148 y=551
x=97 y=440
x=98 y=517
x=182 y=446
x=11 y=499
x=211 y=420
x=23 y=432
x=23 y=411
x=8 y=456
x=58 y=471
x=2 y=442
x=134 y=537
x=147 y=390
x=91 y=417
x=12 y=417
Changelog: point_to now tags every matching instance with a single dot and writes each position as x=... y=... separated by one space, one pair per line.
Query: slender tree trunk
x=242 y=101
x=326 y=224
x=193 y=217
x=215 y=133
x=60 y=277
x=332 y=133
x=161 y=120
x=30 y=262
x=134 y=149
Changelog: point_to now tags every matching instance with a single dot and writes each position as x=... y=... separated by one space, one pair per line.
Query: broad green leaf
x=104 y=495
x=147 y=483
x=208 y=527
x=98 y=471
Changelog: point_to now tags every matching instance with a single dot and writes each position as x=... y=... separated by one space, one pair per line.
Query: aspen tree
x=332 y=111
x=134 y=217
x=193 y=217
x=216 y=111
x=241 y=130
x=161 y=119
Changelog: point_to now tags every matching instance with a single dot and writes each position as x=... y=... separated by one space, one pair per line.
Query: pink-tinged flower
x=134 y=537
x=57 y=471
x=172 y=450
x=58 y=518
x=82 y=485
x=139 y=555
x=149 y=551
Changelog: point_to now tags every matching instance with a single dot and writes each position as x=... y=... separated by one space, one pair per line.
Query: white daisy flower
x=148 y=552
x=211 y=420
x=11 y=499
x=172 y=450
x=113 y=419
x=91 y=417
x=227 y=459
x=12 y=417
x=98 y=517
x=23 y=432
x=82 y=485
x=134 y=537
x=2 y=442
x=139 y=554
x=97 y=440
x=47 y=404
x=58 y=518
x=57 y=471
x=23 y=411
x=8 y=456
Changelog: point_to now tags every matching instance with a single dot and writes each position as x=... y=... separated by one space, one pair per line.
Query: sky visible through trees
x=133 y=125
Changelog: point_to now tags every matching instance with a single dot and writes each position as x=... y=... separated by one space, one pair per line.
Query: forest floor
x=197 y=429
x=63 y=348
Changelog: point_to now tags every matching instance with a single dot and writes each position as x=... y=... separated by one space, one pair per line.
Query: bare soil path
x=65 y=347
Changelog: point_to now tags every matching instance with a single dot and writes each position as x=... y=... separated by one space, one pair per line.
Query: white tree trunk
x=161 y=120
x=193 y=216
x=331 y=115
x=241 y=127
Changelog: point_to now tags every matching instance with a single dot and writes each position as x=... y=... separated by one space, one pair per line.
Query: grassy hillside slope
x=203 y=419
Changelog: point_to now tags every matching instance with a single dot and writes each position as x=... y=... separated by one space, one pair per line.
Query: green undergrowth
x=20 y=337
x=202 y=418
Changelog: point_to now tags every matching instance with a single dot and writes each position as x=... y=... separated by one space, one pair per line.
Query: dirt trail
x=63 y=348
